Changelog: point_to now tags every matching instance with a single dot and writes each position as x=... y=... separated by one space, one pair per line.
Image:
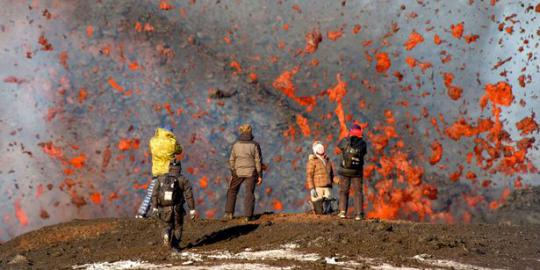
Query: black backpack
x=167 y=190
x=353 y=158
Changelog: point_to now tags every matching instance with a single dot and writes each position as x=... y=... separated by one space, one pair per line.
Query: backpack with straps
x=352 y=157
x=167 y=190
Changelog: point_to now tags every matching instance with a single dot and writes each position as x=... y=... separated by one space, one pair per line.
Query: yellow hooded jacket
x=163 y=147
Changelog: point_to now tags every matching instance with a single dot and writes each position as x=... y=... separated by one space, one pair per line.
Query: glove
x=155 y=212
x=193 y=214
x=314 y=193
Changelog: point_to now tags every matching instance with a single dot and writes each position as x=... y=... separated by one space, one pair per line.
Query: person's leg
x=177 y=228
x=249 y=199
x=166 y=215
x=327 y=199
x=358 y=196
x=232 y=193
x=345 y=183
x=145 y=205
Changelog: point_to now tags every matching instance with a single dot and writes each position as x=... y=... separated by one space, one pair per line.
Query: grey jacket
x=246 y=158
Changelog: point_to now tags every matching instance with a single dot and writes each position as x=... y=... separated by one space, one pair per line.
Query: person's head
x=356 y=131
x=167 y=127
x=175 y=167
x=318 y=148
x=245 y=130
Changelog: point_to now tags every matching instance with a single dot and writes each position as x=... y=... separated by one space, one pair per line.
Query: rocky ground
x=276 y=241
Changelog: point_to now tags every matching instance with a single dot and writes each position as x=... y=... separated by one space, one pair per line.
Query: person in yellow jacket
x=164 y=148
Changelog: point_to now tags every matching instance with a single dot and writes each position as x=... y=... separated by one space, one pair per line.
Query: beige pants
x=322 y=192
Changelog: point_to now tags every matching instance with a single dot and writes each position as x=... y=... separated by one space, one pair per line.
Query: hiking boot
x=358 y=217
x=228 y=216
x=248 y=219
x=342 y=214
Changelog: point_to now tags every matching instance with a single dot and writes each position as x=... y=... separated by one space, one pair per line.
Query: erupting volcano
x=446 y=91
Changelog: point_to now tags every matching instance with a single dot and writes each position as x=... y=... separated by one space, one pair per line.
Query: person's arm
x=310 y=173
x=232 y=161
x=188 y=192
x=155 y=194
x=364 y=148
x=343 y=144
x=258 y=160
x=335 y=178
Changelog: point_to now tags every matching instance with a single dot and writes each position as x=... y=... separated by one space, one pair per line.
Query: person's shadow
x=222 y=235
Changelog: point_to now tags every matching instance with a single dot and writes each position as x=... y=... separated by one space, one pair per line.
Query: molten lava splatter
x=20 y=214
x=457 y=30
x=499 y=94
x=527 y=125
x=285 y=84
x=413 y=41
x=383 y=62
x=313 y=39
x=302 y=122
x=436 y=152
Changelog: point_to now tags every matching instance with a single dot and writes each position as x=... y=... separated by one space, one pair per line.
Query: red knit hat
x=356 y=131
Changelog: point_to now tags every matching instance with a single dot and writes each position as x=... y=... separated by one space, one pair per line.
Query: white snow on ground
x=217 y=260
x=124 y=265
x=425 y=258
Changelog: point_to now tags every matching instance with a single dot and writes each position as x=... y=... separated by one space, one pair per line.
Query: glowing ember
x=383 y=62
x=414 y=40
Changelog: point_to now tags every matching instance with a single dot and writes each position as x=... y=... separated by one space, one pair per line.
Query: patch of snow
x=343 y=264
x=386 y=266
x=425 y=258
x=273 y=254
x=190 y=256
x=120 y=265
x=125 y=265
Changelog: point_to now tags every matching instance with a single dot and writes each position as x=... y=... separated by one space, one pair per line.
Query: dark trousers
x=357 y=185
x=249 y=198
x=173 y=216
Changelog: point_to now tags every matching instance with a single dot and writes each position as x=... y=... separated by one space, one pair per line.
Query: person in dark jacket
x=168 y=197
x=245 y=164
x=164 y=148
x=353 y=149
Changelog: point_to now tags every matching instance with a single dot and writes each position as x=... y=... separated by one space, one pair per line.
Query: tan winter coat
x=246 y=158
x=319 y=175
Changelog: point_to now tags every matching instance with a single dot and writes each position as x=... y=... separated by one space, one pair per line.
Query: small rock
x=19 y=259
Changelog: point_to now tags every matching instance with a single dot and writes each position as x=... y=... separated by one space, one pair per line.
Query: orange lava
x=334 y=35
x=457 y=30
x=20 y=214
x=527 y=125
x=79 y=161
x=302 y=122
x=499 y=94
x=284 y=84
x=89 y=31
x=115 y=85
x=383 y=62
x=95 y=197
x=436 y=152
x=203 y=182
x=414 y=40
x=313 y=39
x=277 y=205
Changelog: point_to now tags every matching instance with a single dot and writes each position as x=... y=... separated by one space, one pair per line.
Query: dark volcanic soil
x=84 y=241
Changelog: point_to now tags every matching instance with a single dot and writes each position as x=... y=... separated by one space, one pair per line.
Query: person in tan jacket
x=319 y=179
x=245 y=163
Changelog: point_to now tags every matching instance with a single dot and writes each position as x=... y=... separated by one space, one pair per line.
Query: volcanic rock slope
x=276 y=241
